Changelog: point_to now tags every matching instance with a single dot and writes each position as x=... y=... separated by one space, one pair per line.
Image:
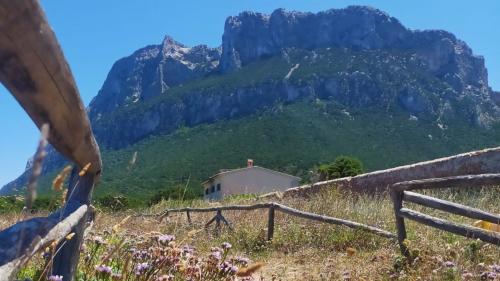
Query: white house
x=249 y=180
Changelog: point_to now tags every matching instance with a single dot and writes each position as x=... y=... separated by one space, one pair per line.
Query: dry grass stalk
x=84 y=170
x=57 y=183
x=36 y=170
x=250 y=270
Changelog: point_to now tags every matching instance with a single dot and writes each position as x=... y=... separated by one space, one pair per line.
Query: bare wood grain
x=450 y=207
x=463 y=230
x=34 y=70
x=483 y=180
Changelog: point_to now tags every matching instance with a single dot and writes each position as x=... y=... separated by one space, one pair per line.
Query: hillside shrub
x=343 y=166
x=11 y=203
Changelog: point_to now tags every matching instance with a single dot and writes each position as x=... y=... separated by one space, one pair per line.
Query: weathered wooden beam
x=287 y=210
x=35 y=234
x=483 y=180
x=226 y=222
x=217 y=221
x=34 y=70
x=270 y=223
x=450 y=207
x=397 y=202
x=210 y=221
x=79 y=193
x=331 y=220
x=463 y=230
x=222 y=208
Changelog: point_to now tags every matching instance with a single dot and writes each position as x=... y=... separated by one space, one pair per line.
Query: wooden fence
x=401 y=192
x=272 y=207
x=34 y=70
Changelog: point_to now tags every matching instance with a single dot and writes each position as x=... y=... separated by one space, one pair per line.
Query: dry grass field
x=301 y=249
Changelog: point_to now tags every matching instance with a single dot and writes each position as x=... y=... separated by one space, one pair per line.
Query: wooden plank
x=35 y=234
x=397 y=201
x=483 y=180
x=34 y=70
x=222 y=208
x=79 y=193
x=270 y=224
x=331 y=220
x=450 y=207
x=463 y=230
x=287 y=210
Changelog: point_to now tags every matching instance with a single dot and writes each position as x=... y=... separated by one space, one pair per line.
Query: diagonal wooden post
x=217 y=221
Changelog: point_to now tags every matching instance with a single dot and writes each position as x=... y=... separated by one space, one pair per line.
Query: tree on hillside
x=343 y=166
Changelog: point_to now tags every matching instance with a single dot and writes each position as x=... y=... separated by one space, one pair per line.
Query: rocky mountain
x=357 y=60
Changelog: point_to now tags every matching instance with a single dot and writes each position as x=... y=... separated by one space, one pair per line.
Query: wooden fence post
x=217 y=221
x=270 y=224
x=397 y=201
x=79 y=193
x=188 y=217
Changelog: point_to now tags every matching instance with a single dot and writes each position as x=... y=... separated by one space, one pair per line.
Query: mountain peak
x=170 y=41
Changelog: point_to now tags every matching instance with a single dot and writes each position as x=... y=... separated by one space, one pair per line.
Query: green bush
x=343 y=166
x=11 y=203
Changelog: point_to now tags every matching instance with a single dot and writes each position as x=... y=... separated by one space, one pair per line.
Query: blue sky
x=95 y=33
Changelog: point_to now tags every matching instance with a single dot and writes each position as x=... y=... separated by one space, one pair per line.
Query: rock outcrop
x=151 y=71
x=251 y=36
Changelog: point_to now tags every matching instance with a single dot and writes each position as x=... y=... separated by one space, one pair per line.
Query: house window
x=213 y=189
x=218 y=187
x=206 y=191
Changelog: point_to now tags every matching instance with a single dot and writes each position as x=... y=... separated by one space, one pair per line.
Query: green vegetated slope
x=291 y=138
x=294 y=137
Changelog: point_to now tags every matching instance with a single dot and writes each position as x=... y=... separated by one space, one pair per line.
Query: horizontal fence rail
x=18 y=243
x=272 y=207
x=400 y=193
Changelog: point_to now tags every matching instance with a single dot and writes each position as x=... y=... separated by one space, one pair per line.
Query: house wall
x=253 y=180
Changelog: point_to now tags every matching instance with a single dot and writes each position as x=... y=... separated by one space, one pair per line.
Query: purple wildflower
x=216 y=255
x=187 y=250
x=467 y=275
x=226 y=246
x=492 y=275
x=141 y=268
x=165 y=278
x=495 y=268
x=103 y=269
x=55 y=278
x=165 y=239
x=116 y=276
x=242 y=260
x=99 y=240
x=449 y=264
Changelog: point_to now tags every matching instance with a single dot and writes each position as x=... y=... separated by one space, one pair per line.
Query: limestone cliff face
x=359 y=57
x=151 y=71
x=251 y=36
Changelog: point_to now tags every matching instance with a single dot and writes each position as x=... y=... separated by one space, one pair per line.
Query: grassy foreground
x=301 y=250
